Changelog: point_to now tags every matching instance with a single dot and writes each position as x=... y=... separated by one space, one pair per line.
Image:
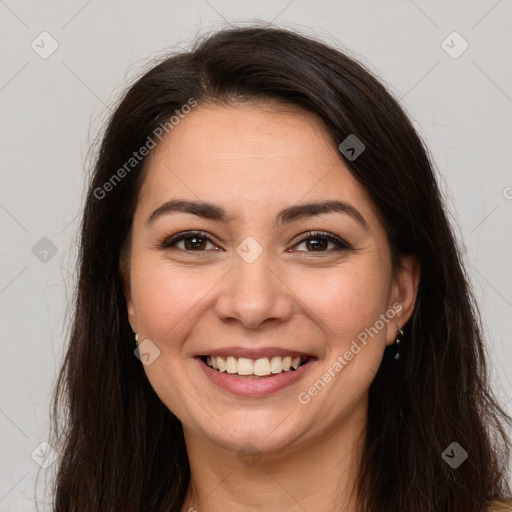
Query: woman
x=271 y=310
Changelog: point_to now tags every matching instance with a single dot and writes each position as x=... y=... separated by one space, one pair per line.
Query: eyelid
x=188 y=234
x=339 y=242
x=323 y=234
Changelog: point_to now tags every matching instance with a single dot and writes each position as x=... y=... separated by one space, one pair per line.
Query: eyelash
x=340 y=243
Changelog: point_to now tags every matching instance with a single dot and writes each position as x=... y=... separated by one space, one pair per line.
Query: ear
x=124 y=271
x=403 y=294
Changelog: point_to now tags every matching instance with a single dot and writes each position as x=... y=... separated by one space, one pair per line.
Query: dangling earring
x=396 y=348
x=136 y=339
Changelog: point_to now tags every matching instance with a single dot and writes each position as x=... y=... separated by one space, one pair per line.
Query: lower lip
x=254 y=387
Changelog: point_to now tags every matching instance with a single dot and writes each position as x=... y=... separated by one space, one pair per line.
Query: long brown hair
x=123 y=450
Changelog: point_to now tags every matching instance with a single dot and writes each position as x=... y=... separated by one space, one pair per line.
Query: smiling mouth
x=254 y=368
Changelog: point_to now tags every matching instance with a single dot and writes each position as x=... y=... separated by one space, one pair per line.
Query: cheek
x=349 y=303
x=346 y=300
x=168 y=298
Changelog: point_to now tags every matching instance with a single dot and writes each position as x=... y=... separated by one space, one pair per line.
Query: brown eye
x=319 y=242
x=192 y=242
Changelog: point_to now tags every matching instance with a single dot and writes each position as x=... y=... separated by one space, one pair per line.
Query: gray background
x=51 y=110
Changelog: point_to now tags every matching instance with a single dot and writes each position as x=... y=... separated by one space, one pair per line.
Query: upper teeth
x=260 y=367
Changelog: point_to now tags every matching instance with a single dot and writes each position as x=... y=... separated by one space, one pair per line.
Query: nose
x=252 y=293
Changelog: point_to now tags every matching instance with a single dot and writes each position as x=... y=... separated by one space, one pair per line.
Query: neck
x=317 y=473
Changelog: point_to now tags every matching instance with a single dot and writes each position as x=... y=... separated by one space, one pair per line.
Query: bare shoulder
x=504 y=505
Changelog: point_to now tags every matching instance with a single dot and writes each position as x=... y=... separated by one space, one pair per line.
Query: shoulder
x=504 y=505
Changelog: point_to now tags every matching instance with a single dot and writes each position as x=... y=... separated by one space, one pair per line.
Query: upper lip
x=252 y=353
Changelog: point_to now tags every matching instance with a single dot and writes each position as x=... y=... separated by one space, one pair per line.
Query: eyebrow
x=285 y=216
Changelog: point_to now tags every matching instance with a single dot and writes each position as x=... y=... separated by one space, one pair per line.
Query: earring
x=136 y=339
x=396 y=348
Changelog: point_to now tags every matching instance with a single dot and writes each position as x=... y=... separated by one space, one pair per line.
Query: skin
x=254 y=160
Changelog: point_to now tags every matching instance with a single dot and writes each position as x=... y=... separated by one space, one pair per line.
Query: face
x=258 y=282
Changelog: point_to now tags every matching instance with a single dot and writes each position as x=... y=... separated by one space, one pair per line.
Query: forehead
x=249 y=157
